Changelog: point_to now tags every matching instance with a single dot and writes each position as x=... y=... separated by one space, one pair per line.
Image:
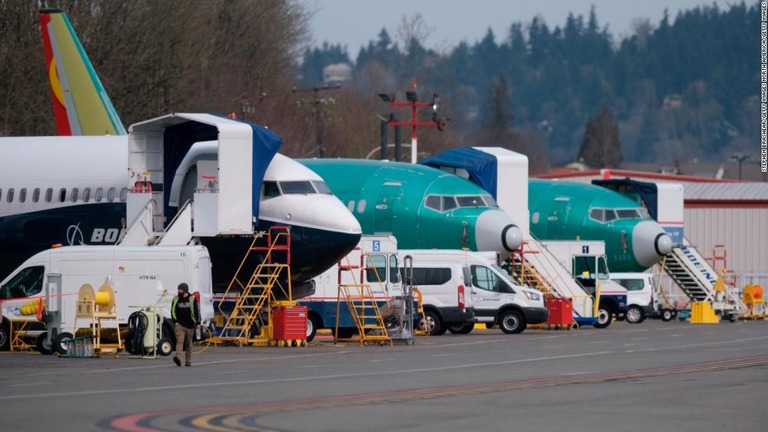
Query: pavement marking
x=288 y=380
x=30 y=384
x=245 y=416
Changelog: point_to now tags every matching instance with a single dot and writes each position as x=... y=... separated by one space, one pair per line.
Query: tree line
x=682 y=88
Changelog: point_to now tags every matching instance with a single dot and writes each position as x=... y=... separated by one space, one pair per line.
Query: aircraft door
x=558 y=217
x=386 y=203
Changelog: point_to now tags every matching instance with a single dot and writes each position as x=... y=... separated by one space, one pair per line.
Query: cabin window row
x=50 y=195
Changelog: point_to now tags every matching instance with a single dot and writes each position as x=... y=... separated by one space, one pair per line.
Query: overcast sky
x=355 y=22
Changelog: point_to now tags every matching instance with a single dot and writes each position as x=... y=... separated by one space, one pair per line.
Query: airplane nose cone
x=650 y=243
x=328 y=213
x=496 y=231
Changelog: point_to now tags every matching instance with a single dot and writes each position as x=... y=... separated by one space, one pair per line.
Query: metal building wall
x=743 y=231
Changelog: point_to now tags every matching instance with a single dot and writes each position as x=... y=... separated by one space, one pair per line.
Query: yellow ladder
x=361 y=303
x=259 y=290
x=526 y=274
x=366 y=313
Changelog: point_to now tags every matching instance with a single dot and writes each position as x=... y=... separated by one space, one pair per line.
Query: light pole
x=413 y=103
x=317 y=102
x=740 y=158
x=246 y=108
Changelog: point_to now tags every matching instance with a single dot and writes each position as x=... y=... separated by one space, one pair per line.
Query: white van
x=140 y=276
x=640 y=295
x=495 y=297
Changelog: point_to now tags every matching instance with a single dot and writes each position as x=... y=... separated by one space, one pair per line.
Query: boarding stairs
x=141 y=230
x=699 y=281
x=538 y=268
x=362 y=302
x=255 y=295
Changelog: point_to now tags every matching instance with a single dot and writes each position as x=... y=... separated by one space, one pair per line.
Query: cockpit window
x=597 y=215
x=470 y=201
x=450 y=202
x=296 y=187
x=628 y=214
x=270 y=189
x=607 y=215
x=433 y=202
x=321 y=187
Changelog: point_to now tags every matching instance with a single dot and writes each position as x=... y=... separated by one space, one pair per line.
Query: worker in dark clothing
x=186 y=316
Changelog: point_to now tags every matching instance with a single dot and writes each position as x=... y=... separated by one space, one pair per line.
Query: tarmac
x=649 y=376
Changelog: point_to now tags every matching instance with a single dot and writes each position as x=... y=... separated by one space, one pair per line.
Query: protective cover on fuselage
x=644 y=193
x=482 y=167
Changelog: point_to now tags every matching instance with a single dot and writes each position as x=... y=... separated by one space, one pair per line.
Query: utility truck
x=41 y=296
x=587 y=264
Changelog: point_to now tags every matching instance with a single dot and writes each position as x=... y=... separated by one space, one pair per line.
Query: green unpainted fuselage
x=573 y=211
x=389 y=197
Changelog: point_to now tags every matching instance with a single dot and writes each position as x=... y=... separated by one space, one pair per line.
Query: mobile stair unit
x=363 y=304
x=700 y=282
x=255 y=293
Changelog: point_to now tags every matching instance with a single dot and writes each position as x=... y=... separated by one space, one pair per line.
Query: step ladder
x=245 y=324
x=525 y=273
x=538 y=268
x=363 y=305
x=141 y=231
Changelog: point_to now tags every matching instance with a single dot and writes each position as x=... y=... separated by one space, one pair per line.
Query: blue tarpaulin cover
x=647 y=192
x=481 y=166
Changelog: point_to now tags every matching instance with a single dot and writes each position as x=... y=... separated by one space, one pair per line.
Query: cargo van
x=640 y=295
x=139 y=276
x=443 y=287
x=483 y=286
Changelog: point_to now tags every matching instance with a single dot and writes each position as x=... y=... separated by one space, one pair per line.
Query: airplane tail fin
x=80 y=104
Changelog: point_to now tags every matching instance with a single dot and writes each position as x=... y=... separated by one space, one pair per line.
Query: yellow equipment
x=98 y=306
x=753 y=299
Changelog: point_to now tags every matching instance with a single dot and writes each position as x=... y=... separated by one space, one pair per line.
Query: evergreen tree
x=601 y=147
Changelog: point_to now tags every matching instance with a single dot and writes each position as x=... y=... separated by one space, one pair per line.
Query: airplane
x=566 y=211
x=423 y=207
x=561 y=210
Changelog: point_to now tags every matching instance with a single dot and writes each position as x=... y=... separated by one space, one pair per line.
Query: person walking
x=186 y=316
